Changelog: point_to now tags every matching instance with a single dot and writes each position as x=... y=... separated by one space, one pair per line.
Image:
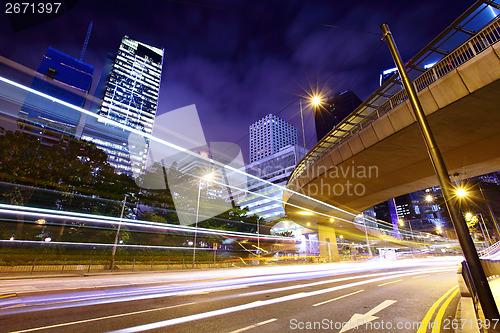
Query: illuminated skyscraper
x=269 y=135
x=65 y=78
x=130 y=89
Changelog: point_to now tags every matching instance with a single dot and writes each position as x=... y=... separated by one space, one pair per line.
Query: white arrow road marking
x=360 y=319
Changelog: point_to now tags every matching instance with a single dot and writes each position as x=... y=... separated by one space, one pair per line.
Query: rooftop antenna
x=84 y=49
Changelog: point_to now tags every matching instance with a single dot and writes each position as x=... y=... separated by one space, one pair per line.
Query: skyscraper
x=263 y=199
x=63 y=77
x=129 y=97
x=269 y=135
x=331 y=113
x=274 y=153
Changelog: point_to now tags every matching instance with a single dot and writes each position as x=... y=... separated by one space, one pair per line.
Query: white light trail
x=169 y=144
x=108 y=220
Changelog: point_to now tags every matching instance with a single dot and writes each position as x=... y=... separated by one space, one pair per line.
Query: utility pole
x=490 y=210
x=479 y=280
x=117 y=233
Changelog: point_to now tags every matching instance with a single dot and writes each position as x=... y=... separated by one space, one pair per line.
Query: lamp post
x=366 y=235
x=401 y=222
x=486 y=235
x=117 y=233
x=490 y=210
x=207 y=178
x=474 y=266
x=486 y=229
x=315 y=101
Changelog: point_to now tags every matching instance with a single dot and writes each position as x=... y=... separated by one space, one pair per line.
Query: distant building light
x=389 y=71
x=429 y=65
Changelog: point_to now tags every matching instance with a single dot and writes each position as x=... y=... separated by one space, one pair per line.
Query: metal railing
x=490 y=250
x=367 y=113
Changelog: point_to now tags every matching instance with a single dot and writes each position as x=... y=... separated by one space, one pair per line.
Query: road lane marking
x=428 y=316
x=383 y=284
x=101 y=318
x=359 y=319
x=8 y=295
x=441 y=312
x=253 y=326
x=106 y=299
x=253 y=293
x=247 y=306
x=337 y=298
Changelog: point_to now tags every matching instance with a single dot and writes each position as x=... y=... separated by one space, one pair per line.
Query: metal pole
x=258 y=241
x=117 y=233
x=482 y=231
x=412 y=238
x=196 y=223
x=302 y=122
x=477 y=273
x=493 y=217
x=490 y=242
x=366 y=235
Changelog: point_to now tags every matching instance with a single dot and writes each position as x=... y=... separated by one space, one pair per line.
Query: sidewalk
x=466 y=311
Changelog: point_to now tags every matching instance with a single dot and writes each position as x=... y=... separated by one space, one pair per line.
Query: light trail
x=176 y=147
x=214 y=313
x=49 y=213
x=43 y=303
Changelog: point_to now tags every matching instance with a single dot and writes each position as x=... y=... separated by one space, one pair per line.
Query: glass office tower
x=130 y=87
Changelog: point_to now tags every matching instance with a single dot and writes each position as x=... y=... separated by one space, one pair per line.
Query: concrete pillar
x=328 y=242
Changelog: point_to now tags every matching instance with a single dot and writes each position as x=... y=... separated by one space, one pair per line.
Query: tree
x=76 y=172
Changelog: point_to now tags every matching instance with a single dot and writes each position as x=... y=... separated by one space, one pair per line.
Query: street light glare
x=209 y=176
x=316 y=100
x=429 y=198
x=461 y=192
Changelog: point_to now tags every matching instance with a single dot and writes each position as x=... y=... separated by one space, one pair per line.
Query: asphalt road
x=377 y=296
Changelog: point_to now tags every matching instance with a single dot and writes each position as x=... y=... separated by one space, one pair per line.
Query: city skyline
x=228 y=65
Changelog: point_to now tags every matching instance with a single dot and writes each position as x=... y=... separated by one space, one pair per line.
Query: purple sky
x=237 y=66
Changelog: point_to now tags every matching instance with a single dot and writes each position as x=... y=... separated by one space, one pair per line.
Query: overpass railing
x=366 y=113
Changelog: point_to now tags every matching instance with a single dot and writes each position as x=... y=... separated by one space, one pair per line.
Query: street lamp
x=401 y=222
x=472 y=218
x=315 y=101
x=473 y=262
x=439 y=230
x=117 y=233
x=461 y=192
x=207 y=178
x=429 y=198
x=366 y=235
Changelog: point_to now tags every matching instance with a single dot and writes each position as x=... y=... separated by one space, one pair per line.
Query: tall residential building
x=63 y=77
x=130 y=89
x=269 y=135
x=264 y=199
x=333 y=111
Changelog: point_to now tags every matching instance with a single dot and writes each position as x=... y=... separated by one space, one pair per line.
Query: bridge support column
x=328 y=242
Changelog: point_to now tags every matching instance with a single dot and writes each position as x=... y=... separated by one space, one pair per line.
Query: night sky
x=236 y=65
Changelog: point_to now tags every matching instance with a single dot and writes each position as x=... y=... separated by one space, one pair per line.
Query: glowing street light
x=439 y=229
x=461 y=192
x=429 y=198
x=207 y=178
x=315 y=100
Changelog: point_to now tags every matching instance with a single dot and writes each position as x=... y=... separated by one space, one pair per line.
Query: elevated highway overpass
x=378 y=153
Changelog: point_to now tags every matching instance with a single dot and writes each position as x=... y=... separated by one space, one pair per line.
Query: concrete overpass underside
x=463 y=110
